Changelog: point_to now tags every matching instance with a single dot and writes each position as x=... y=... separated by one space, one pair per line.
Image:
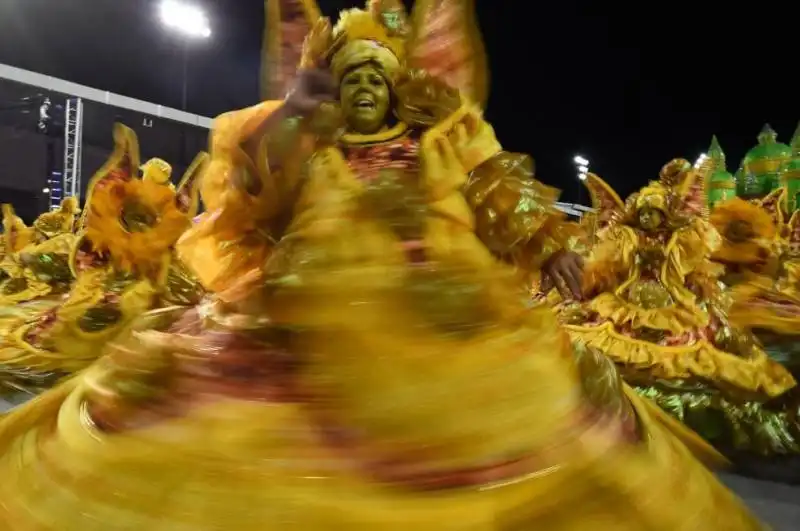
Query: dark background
x=628 y=86
x=28 y=156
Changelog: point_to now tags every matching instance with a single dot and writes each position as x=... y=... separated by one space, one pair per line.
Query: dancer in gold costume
x=368 y=363
x=123 y=264
x=34 y=265
x=759 y=253
x=653 y=303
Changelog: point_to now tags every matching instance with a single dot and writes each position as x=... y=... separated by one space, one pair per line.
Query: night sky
x=628 y=86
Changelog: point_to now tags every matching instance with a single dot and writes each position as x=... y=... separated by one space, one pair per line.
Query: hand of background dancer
x=311 y=88
x=565 y=270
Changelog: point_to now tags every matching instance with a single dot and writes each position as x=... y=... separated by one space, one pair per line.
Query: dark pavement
x=776 y=504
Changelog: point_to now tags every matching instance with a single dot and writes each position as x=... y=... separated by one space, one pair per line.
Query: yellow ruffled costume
x=759 y=253
x=123 y=263
x=655 y=307
x=35 y=265
x=354 y=380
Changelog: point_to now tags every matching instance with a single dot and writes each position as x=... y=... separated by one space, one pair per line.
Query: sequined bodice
x=368 y=160
x=651 y=253
x=648 y=290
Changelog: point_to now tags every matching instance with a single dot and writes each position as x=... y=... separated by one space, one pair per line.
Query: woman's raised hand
x=311 y=88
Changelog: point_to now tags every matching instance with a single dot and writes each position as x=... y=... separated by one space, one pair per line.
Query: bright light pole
x=583 y=168
x=191 y=23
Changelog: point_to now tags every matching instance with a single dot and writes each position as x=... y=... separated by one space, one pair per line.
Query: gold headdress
x=747 y=230
x=680 y=192
x=654 y=195
x=377 y=34
x=134 y=221
x=441 y=37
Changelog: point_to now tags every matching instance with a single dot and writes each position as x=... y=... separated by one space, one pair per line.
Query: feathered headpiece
x=679 y=192
x=134 y=220
x=654 y=195
x=441 y=37
x=16 y=234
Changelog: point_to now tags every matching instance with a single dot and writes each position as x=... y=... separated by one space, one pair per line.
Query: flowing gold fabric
x=655 y=306
x=120 y=266
x=343 y=382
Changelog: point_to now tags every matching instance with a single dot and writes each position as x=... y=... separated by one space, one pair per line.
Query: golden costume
x=123 y=263
x=35 y=264
x=367 y=363
x=759 y=253
x=654 y=305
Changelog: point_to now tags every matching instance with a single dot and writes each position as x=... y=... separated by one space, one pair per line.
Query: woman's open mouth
x=364 y=103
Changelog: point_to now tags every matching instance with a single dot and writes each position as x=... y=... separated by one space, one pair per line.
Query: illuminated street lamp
x=583 y=166
x=191 y=23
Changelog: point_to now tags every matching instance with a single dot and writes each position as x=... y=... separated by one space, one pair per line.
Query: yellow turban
x=653 y=196
x=359 y=52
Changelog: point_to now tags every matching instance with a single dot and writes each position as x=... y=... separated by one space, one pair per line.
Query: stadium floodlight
x=583 y=166
x=190 y=22
x=185 y=18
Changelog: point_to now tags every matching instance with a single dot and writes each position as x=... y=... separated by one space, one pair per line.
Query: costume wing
x=774 y=204
x=188 y=194
x=692 y=188
x=446 y=42
x=122 y=165
x=606 y=202
x=16 y=234
x=794 y=234
x=287 y=24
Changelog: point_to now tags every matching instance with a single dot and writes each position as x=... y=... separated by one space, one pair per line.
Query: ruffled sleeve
x=514 y=213
x=688 y=252
x=610 y=260
x=246 y=199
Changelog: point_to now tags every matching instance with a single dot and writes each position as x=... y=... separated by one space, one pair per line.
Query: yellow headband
x=362 y=51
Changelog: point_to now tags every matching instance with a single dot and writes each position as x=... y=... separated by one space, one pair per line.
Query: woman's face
x=650 y=218
x=365 y=99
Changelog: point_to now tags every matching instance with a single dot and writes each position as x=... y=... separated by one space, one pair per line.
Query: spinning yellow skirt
x=486 y=434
